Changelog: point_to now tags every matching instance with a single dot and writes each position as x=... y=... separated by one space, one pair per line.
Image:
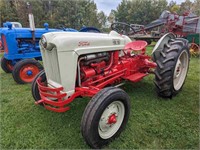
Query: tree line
x=145 y=11
x=78 y=13
x=68 y=13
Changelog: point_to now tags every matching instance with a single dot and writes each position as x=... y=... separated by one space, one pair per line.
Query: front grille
x=51 y=66
x=4 y=44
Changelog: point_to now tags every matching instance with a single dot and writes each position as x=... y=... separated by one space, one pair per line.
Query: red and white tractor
x=95 y=65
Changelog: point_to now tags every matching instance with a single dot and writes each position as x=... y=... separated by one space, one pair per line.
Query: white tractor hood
x=83 y=42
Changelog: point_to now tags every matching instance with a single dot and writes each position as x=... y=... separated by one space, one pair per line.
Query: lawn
x=154 y=123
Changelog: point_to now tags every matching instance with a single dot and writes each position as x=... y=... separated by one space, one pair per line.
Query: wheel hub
x=109 y=118
x=178 y=70
x=29 y=72
x=112 y=119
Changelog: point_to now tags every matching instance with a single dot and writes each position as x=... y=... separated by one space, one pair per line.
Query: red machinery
x=182 y=26
x=185 y=25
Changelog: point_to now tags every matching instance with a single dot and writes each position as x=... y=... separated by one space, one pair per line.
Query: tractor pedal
x=136 y=77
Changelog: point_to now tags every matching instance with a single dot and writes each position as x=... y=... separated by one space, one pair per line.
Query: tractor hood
x=82 y=43
x=26 y=32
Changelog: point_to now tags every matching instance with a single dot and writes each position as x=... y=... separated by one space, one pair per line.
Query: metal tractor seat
x=136 y=47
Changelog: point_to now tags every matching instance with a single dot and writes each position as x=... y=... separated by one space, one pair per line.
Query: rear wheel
x=172 y=67
x=6 y=65
x=34 y=86
x=26 y=70
x=105 y=117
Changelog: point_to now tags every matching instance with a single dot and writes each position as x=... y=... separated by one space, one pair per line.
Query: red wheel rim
x=28 y=72
x=9 y=65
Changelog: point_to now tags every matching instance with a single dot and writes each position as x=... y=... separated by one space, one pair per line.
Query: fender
x=160 y=45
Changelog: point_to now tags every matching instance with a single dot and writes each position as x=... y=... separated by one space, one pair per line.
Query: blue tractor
x=22 y=52
x=21 y=47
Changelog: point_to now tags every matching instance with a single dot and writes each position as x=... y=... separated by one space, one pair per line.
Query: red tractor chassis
x=133 y=65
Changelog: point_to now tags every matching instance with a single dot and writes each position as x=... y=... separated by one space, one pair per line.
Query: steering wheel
x=90 y=29
x=60 y=26
x=123 y=28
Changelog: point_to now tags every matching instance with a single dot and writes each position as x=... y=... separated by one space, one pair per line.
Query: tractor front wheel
x=34 y=86
x=26 y=70
x=172 y=68
x=105 y=116
x=6 y=65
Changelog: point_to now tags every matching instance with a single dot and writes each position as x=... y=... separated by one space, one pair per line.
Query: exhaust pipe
x=31 y=21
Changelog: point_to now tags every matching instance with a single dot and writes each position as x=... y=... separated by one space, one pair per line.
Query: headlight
x=44 y=42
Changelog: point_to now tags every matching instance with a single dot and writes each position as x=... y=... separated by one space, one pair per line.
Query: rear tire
x=6 y=65
x=34 y=86
x=172 y=68
x=25 y=70
x=105 y=117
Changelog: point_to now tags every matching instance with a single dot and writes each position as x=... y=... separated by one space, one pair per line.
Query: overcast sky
x=107 y=5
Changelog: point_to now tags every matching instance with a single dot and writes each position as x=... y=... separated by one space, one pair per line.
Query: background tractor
x=22 y=52
x=96 y=65
x=21 y=48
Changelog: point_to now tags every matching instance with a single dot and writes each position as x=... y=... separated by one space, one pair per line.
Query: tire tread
x=166 y=65
x=90 y=111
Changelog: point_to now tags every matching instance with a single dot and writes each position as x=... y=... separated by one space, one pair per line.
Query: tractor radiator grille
x=50 y=60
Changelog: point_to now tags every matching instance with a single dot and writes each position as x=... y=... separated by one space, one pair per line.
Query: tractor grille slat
x=50 y=59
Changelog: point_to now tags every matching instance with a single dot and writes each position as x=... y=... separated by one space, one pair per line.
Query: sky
x=107 y=5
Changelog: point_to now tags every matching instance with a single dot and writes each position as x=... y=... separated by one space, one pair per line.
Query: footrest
x=136 y=77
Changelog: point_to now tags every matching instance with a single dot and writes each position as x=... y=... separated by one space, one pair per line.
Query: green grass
x=154 y=123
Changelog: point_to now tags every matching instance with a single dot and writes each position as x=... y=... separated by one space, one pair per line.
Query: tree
x=185 y=7
x=8 y=11
x=70 y=13
x=90 y=14
x=196 y=8
x=173 y=7
x=111 y=17
x=140 y=11
x=122 y=11
x=102 y=18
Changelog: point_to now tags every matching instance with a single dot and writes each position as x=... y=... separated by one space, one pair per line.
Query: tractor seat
x=136 y=45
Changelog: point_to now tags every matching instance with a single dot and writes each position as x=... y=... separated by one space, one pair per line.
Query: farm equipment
x=22 y=52
x=187 y=26
x=95 y=65
x=14 y=25
x=194 y=44
x=183 y=26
